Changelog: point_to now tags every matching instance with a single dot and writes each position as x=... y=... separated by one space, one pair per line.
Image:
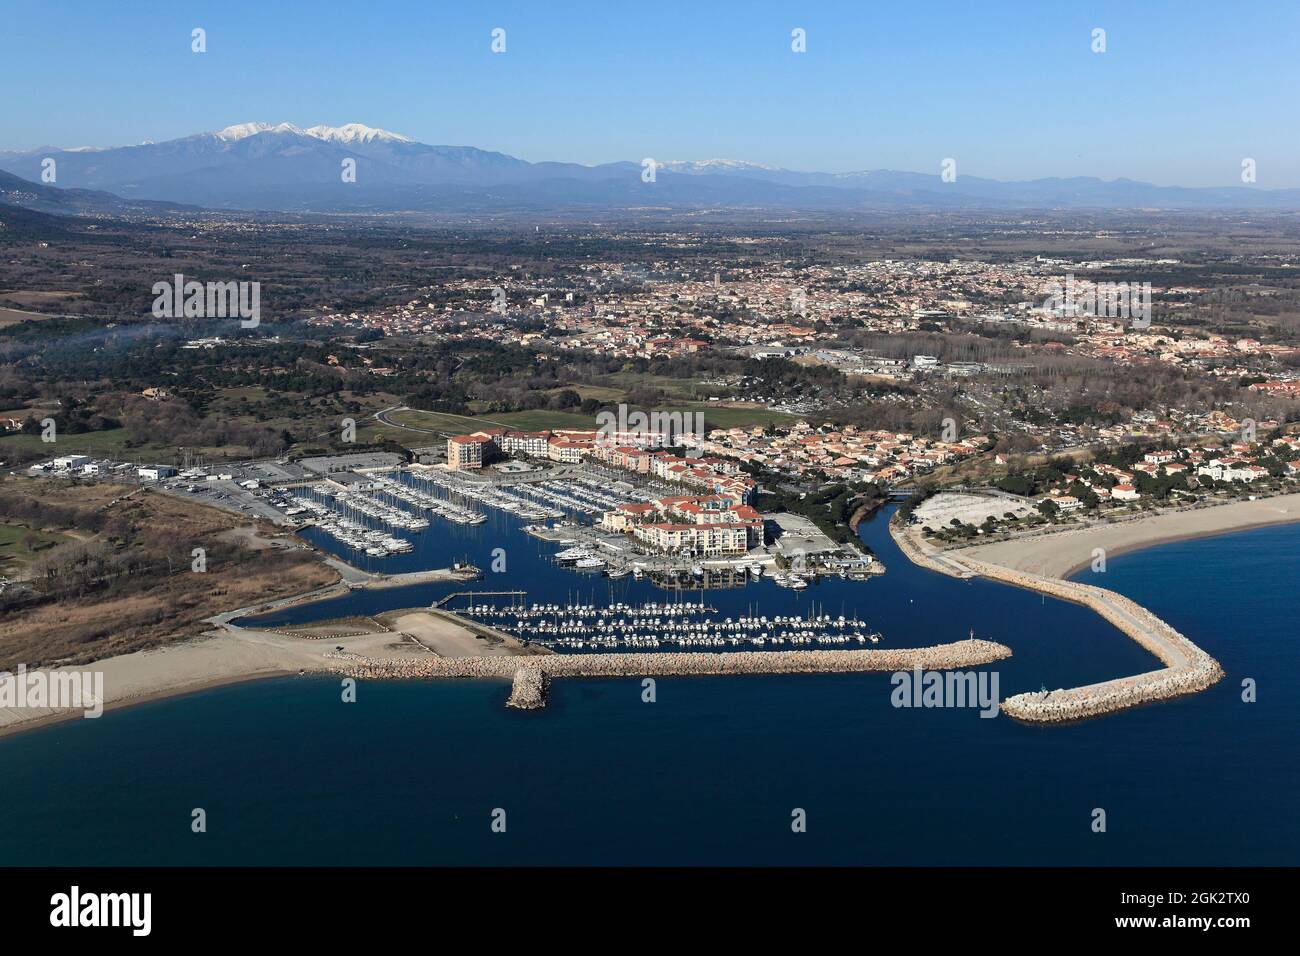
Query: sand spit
x=1188 y=669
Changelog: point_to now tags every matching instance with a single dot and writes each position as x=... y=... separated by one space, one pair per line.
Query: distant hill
x=286 y=168
x=41 y=197
x=17 y=222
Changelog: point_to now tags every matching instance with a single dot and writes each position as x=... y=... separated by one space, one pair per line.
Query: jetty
x=459 y=572
x=1187 y=670
x=528 y=690
x=448 y=598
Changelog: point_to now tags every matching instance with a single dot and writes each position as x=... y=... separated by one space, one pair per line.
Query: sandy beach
x=1062 y=553
x=195 y=665
x=234 y=654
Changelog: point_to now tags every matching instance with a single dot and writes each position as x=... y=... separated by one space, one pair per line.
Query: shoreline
x=1187 y=668
x=231 y=654
x=281 y=655
x=44 y=721
x=1064 y=553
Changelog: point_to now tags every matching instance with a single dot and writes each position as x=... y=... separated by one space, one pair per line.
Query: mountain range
x=282 y=167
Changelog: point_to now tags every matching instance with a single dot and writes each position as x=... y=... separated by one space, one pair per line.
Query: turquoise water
x=711 y=771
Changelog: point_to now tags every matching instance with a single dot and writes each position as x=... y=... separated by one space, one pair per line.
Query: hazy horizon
x=1011 y=91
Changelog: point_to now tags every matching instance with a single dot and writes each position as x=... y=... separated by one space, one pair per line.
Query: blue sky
x=1012 y=90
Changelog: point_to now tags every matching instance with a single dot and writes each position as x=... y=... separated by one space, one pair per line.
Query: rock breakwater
x=528 y=689
x=1188 y=669
x=532 y=685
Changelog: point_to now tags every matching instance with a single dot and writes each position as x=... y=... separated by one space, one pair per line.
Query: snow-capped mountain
x=356 y=133
x=282 y=166
x=348 y=134
x=244 y=130
x=705 y=167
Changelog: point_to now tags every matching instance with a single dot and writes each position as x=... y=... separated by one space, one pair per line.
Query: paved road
x=383 y=418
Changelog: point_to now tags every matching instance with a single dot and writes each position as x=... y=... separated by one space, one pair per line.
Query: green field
x=715 y=416
x=109 y=441
x=448 y=424
x=602 y=393
x=540 y=418
x=16 y=551
x=252 y=393
x=726 y=416
x=440 y=422
x=677 y=387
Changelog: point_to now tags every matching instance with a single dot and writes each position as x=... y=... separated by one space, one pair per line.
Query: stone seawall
x=1188 y=669
x=958 y=654
x=528 y=689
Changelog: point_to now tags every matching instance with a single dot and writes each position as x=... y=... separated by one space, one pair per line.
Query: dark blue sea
x=711 y=772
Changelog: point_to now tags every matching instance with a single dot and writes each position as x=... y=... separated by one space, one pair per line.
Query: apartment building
x=467 y=451
x=532 y=444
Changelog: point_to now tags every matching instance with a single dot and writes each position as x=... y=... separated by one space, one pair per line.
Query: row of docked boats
x=353 y=533
x=562 y=496
x=423 y=500
x=788 y=579
x=353 y=503
x=490 y=495
x=585 y=495
x=651 y=609
x=703 y=641
x=622 y=627
x=681 y=624
x=580 y=559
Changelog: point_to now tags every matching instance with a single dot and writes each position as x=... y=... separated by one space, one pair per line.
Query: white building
x=1125 y=493
x=1231 y=469
x=1066 y=502
x=534 y=444
x=568 y=452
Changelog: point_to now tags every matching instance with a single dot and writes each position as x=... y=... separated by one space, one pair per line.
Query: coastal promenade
x=528 y=690
x=1187 y=670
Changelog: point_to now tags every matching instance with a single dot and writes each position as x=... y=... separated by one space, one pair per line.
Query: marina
x=423 y=500
x=586 y=548
x=340 y=517
x=620 y=626
x=685 y=625
x=627 y=619
x=384 y=513
x=829 y=739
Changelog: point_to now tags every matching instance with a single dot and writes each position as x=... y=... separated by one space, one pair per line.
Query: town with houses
x=771 y=311
x=1188 y=475
x=715 y=515
x=832 y=383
